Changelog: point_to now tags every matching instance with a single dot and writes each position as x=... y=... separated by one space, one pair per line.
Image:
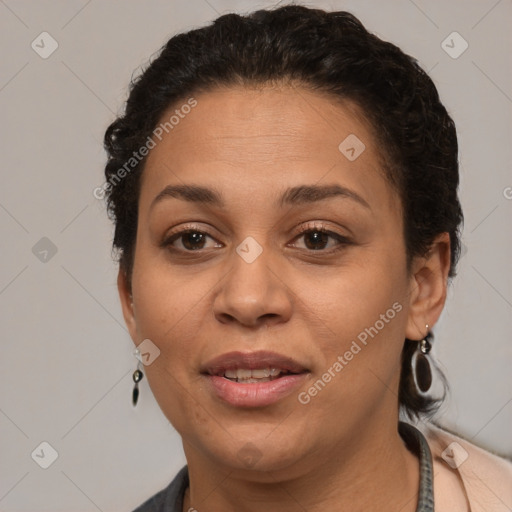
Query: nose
x=253 y=294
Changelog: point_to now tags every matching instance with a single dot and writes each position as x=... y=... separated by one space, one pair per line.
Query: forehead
x=251 y=138
x=260 y=118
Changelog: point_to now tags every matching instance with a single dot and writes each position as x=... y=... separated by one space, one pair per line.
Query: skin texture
x=342 y=449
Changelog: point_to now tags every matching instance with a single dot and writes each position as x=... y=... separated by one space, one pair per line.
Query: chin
x=256 y=456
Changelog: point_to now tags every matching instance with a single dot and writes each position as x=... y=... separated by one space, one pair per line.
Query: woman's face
x=263 y=244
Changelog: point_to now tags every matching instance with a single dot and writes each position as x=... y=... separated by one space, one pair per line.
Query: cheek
x=352 y=299
x=359 y=315
x=169 y=311
x=179 y=398
x=167 y=298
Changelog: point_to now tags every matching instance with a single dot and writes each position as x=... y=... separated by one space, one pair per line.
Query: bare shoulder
x=467 y=477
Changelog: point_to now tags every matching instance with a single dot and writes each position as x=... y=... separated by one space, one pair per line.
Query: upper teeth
x=245 y=373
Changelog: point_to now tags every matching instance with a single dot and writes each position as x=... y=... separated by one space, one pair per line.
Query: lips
x=253 y=379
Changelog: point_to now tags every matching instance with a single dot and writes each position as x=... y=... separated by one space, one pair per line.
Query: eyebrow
x=302 y=194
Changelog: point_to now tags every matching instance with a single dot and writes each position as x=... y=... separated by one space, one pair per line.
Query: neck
x=375 y=473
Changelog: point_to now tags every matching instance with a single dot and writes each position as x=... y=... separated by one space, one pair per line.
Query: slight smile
x=253 y=379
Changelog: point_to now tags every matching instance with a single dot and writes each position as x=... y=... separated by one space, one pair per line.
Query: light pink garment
x=467 y=478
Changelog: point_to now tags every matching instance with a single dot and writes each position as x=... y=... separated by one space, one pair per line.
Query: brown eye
x=190 y=240
x=316 y=240
x=193 y=240
x=320 y=240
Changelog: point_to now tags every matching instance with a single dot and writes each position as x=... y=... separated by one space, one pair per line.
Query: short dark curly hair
x=328 y=52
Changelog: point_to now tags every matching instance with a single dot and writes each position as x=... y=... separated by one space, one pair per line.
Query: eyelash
x=316 y=228
x=342 y=241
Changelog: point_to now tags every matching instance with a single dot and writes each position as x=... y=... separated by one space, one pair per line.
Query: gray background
x=66 y=360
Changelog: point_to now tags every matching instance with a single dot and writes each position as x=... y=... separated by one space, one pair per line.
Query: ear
x=127 y=304
x=428 y=286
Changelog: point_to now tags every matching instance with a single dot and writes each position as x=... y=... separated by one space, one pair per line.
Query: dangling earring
x=421 y=370
x=137 y=377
